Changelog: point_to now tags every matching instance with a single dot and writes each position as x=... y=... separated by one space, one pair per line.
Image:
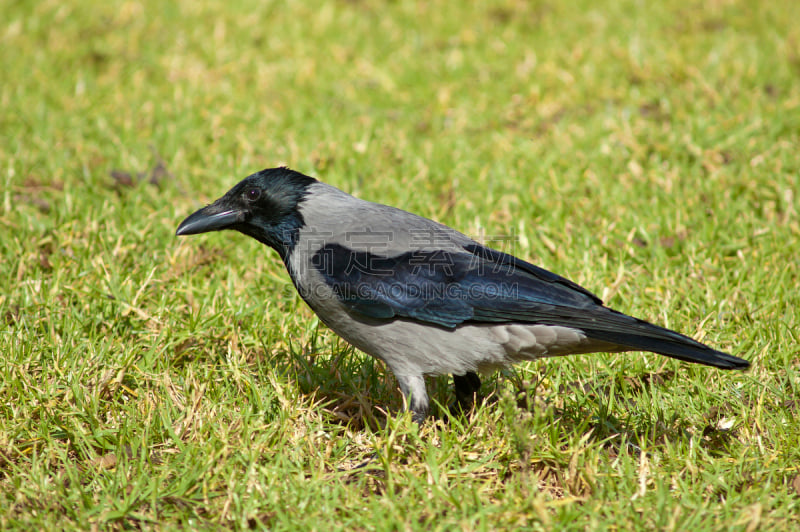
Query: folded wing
x=481 y=285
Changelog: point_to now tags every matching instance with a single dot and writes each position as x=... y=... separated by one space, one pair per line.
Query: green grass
x=648 y=152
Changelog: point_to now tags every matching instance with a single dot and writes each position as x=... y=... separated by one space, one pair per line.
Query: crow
x=422 y=297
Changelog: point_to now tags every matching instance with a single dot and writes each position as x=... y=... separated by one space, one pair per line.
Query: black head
x=263 y=205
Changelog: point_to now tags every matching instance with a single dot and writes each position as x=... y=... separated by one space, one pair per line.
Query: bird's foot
x=467 y=388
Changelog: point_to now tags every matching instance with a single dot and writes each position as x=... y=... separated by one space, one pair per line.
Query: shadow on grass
x=614 y=412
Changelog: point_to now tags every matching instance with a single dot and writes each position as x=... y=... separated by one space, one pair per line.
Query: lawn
x=648 y=151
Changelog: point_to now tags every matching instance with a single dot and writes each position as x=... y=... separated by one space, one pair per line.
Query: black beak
x=215 y=217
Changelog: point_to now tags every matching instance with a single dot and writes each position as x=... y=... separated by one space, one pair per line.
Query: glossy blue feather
x=448 y=288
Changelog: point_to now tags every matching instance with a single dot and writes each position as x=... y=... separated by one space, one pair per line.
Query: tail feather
x=644 y=336
x=688 y=351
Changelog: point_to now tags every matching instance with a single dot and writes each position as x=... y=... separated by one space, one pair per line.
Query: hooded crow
x=422 y=297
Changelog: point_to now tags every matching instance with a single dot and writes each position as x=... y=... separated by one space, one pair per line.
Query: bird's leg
x=467 y=388
x=415 y=395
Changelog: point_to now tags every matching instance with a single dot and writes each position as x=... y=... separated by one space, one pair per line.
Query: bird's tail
x=638 y=335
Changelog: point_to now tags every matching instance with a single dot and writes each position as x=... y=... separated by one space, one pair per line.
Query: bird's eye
x=252 y=194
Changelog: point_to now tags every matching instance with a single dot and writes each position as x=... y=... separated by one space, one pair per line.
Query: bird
x=422 y=297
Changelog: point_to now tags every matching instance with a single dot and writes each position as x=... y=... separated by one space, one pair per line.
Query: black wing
x=447 y=288
x=482 y=285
